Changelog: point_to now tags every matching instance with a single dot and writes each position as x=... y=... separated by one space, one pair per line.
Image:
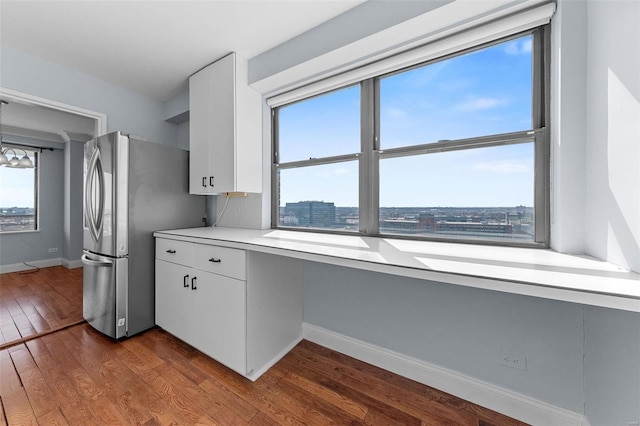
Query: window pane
x=485 y=92
x=18 y=196
x=322 y=126
x=482 y=193
x=323 y=196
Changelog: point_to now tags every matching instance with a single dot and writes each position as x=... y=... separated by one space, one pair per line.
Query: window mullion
x=541 y=96
x=275 y=177
x=368 y=176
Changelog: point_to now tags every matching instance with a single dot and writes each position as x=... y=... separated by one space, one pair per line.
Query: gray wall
x=612 y=366
x=460 y=328
x=34 y=246
x=127 y=111
x=346 y=28
x=73 y=158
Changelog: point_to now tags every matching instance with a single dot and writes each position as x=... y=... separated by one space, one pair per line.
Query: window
x=452 y=149
x=18 y=192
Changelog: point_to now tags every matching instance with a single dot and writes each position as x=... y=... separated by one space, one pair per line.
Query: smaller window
x=323 y=126
x=18 y=192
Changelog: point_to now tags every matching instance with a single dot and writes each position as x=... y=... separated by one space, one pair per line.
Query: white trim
x=71 y=264
x=255 y=375
x=453 y=39
x=518 y=406
x=17 y=267
x=14 y=95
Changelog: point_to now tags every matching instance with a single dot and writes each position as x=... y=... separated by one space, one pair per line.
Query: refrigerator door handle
x=95 y=194
x=87 y=261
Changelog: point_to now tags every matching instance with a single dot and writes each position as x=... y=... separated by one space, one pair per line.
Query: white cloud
x=502 y=167
x=396 y=112
x=518 y=47
x=477 y=104
x=341 y=172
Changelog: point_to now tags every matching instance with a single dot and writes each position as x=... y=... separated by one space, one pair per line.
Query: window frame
x=371 y=153
x=36 y=186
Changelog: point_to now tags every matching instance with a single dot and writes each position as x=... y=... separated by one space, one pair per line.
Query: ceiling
x=151 y=47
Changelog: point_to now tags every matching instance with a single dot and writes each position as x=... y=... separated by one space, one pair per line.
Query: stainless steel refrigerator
x=131 y=189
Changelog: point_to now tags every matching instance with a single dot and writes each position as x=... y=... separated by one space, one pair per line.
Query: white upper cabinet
x=225 y=128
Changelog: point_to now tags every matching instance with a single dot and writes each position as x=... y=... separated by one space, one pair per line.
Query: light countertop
x=528 y=271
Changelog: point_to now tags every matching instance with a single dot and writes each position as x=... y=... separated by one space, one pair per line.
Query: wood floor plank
x=78 y=376
x=38 y=392
x=17 y=408
x=53 y=418
x=178 y=403
x=37 y=302
x=72 y=405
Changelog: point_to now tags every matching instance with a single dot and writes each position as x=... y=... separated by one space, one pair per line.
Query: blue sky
x=16 y=187
x=481 y=93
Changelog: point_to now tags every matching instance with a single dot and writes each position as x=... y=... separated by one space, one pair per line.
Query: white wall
x=568 y=131
x=612 y=205
x=612 y=227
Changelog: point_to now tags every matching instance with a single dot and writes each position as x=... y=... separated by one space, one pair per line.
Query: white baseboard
x=255 y=375
x=17 y=267
x=71 y=264
x=512 y=404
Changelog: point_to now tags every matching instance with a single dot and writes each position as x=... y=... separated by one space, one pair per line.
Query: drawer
x=174 y=251
x=220 y=260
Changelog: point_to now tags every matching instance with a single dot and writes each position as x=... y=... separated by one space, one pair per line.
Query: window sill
x=532 y=272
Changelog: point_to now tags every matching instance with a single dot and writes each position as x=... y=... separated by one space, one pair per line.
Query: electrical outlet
x=235 y=194
x=514 y=361
x=53 y=250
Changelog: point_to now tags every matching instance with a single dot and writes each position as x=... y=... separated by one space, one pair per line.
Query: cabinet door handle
x=193 y=283
x=214 y=260
x=210 y=180
x=171 y=251
x=204 y=181
x=185 y=280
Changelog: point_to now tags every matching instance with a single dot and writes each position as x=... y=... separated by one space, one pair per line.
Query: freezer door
x=106 y=163
x=104 y=294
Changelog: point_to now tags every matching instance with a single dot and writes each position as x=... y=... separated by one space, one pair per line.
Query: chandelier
x=22 y=163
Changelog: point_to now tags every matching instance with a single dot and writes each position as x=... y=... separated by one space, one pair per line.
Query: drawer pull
x=170 y=251
x=185 y=280
x=214 y=260
x=193 y=283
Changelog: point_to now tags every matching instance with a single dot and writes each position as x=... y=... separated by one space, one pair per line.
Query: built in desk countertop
x=527 y=271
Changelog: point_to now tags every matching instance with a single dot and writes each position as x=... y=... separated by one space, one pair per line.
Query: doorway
x=40 y=269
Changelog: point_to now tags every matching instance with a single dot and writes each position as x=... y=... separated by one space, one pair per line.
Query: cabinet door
x=173 y=299
x=200 y=110
x=223 y=120
x=220 y=322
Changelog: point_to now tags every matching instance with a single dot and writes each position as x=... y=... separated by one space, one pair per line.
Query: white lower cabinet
x=240 y=308
x=219 y=326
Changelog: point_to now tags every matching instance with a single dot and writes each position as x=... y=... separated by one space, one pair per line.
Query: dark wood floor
x=32 y=303
x=77 y=376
